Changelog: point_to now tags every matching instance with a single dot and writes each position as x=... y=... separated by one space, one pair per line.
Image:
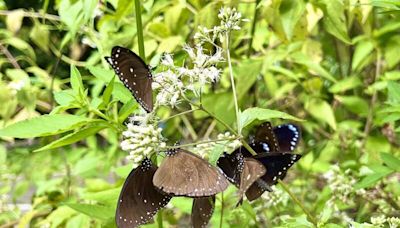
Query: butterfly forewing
x=232 y=166
x=252 y=170
x=134 y=74
x=288 y=136
x=265 y=139
x=139 y=200
x=183 y=173
x=202 y=210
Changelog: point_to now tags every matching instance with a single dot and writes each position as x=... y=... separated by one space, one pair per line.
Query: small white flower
x=141 y=139
x=378 y=221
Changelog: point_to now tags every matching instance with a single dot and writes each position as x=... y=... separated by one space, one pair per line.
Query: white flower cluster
x=230 y=20
x=141 y=139
x=341 y=185
x=380 y=221
x=277 y=196
x=174 y=82
x=227 y=141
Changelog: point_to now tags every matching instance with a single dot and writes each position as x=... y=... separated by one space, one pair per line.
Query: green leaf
x=391 y=161
x=76 y=81
x=109 y=196
x=291 y=12
x=363 y=49
x=108 y=91
x=334 y=19
x=355 y=104
x=93 y=210
x=44 y=125
x=216 y=153
x=248 y=72
x=371 y=179
x=303 y=59
x=345 y=84
x=74 y=137
x=321 y=111
x=64 y=97
x=251 y=114
x=393 y=92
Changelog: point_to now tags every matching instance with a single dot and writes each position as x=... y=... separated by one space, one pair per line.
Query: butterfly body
x=134 y=74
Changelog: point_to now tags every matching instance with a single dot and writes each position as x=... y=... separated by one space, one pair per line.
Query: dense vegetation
x=331 y=66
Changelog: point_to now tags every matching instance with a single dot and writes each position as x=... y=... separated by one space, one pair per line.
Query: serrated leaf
x=355 y=104
x=248 y=72
x=216 y=153
x=44 y=125
x=334 y=19
x=251 y=114
x=393 y=92
x=363 y=49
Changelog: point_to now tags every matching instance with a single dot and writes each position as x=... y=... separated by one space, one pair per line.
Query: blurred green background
x=333 y=63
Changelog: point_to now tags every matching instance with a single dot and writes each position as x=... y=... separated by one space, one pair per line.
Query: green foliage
x=332 y=66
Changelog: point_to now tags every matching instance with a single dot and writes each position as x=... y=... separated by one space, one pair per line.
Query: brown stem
x=9 y=56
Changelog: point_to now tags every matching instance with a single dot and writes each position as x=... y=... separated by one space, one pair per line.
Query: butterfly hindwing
x=134 y=74
x=288 y=136
x=202 y=210
x=139 y=200
x=183 y=173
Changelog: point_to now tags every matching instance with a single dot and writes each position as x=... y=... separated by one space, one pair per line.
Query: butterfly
x=134 y=74
x=202 y=210
x=139 y=200
x=273 y=147
x=183 y=173
x=241 y=171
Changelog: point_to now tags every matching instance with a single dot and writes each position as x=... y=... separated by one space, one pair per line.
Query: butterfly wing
x=277 y=165
x=288 y=136
x=252 y=170
x=257 y=189
x=232 y=166
x=183 y=173
x=134 y=74
x=139 y=200
x=202 y=210
x=264 y=139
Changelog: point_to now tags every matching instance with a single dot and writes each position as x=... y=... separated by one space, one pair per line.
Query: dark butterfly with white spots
x=241 y=171
x=183 y=173
x=273 y=147
x=202 y=210
x=139 y=199
x=134 y=74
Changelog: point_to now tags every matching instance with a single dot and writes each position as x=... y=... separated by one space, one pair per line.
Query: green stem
x=160 y=219
x=179 y=114
x=253 y=28
x=228 y=54
x=297 y=201
x=222 y=210
x=197 y=143
x=139 y=28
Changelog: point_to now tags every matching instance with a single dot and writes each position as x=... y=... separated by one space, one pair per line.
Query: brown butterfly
x=183 y=173
x=139 y=200
x=134 y=73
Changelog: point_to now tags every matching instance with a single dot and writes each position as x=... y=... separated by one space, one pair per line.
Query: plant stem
x=179 y=114
x=222 y=210
x=160 y=219
x=197 y=143
x=139 y=28
x=253 y=28
x=370 y=116
x=297 y=201
x=228 y=55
